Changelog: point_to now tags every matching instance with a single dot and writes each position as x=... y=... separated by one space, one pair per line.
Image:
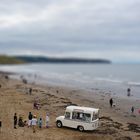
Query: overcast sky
x=65 y=28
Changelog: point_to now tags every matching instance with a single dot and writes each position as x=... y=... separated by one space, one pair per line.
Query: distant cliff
x=39 y=59
x=10 y=60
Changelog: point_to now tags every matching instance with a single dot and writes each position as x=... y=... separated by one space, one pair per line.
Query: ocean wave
x=108 y=80
x=134 y=83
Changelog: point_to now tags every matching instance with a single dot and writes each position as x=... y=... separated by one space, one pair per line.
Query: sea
x=112 y=78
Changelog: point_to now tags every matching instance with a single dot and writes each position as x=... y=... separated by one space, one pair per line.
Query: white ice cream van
x=81 y=118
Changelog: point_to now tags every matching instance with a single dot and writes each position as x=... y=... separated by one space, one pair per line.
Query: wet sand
x=116 y=123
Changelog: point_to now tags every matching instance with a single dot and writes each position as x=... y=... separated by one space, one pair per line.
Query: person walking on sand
x=30 y=116
x=15 y=121
x=34 y=123
x=47 y=120
x=30 y=91
x=0 y=125
x=132 y=109
x=111 y=102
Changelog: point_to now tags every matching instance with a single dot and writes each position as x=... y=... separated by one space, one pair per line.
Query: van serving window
x=81 y=116
x=87 y=117
x=77 y=115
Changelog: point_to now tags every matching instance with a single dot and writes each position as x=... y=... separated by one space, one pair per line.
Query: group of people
x=132 y=109
x=129 y=94
x=33 y=121
x=19 y=121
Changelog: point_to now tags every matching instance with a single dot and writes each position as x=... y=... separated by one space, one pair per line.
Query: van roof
x=82 y=109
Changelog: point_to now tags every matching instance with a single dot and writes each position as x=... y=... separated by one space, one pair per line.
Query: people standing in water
x=34 y=123
x=30 y=116
x=128 y=92
x=111 y=102
x=47 y=120
x=15 y=121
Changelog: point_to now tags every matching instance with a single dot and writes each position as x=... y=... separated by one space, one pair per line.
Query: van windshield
x=81 y=116
x=95 y=116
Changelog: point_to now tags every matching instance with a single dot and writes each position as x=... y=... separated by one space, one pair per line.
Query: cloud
x=85 y=28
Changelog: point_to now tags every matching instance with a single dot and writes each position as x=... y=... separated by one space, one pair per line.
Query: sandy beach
x=116 y=123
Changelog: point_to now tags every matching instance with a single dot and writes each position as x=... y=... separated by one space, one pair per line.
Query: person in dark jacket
x=30 y=116
x=30 y=91
x=132 y=109
x=15 y=121
x=111 y=102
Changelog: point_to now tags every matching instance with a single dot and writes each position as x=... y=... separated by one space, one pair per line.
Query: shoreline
x=114 y=90
x=54 y=99
x=104 y=81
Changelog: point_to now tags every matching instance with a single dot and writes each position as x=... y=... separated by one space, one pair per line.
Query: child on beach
x=40 y=122
x=20 y=121
x=34 y=123
x=36 y=105
x=47 y=120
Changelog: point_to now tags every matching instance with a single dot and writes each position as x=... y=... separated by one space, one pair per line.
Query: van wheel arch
x=59 y=124
x=80 y=128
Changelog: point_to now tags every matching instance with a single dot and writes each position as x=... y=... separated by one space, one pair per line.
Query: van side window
x=77 y=115
x=81 y=116
x=74 y=115
x=87 y=117
x=67 y=115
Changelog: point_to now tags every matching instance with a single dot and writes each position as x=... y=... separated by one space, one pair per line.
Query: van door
x=68 y=121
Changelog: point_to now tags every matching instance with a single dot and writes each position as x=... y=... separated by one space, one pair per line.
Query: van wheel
x=81 y=128
x=59 y=124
